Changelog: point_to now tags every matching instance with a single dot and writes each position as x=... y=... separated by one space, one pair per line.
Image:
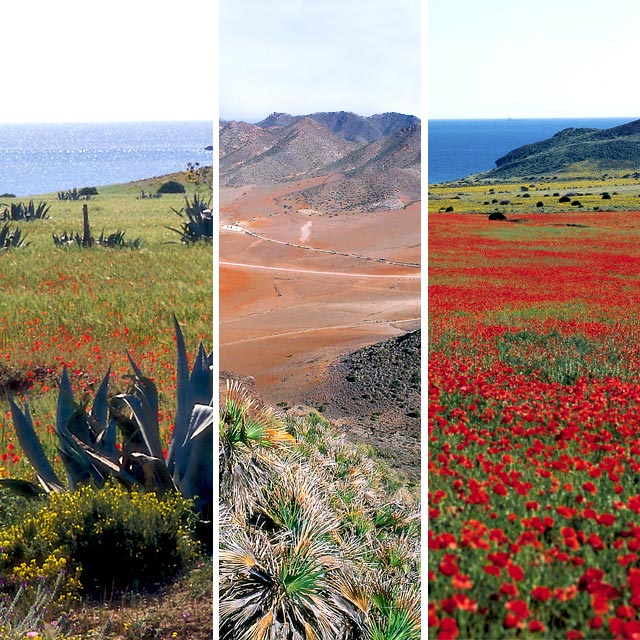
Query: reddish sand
x=292 y=310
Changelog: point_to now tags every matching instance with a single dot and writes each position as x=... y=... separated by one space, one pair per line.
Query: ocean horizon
x=49 y=157
x=461 y=147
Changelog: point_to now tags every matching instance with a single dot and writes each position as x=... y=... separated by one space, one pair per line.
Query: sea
x=458 y=148
x=44 y=158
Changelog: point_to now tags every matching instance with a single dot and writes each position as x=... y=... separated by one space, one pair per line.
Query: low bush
x=88 y=191
x=308 y=534
x=172 y=186
x=101 y=540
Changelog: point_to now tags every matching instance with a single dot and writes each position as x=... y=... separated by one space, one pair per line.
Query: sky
x=305 y=56
x=523 y=59
x=122 y=60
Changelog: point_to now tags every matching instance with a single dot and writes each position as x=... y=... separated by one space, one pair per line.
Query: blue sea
x=458 y=148
x=42 y=158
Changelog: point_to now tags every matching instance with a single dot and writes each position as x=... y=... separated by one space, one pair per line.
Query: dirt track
x=288 y=312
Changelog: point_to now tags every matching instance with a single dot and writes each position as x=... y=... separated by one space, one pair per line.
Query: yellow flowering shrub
x=100 y=539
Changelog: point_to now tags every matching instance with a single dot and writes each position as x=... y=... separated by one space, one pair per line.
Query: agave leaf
x=146 y=421
x=196 y=478
x=202 y=418
x=66 y=402
x=33 y=448
x=106 y=441
x=100 y=408
x=154 y=472
x=183 y=408
x=199 y=391
x=201 y=380
x=22 y=487
x=109 y=467
x=134 y=366
x=79 y=467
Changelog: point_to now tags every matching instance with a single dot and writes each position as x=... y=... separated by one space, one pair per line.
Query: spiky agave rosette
x=88 y=438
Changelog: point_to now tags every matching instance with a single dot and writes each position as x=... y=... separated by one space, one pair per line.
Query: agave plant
x=12 y=239
x=86 y=238
x=87 y=438
x=19 y=211
x=199 y=221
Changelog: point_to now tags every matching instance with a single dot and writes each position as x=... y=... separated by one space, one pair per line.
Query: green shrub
x=172 y=186
x=88 y=191
x=102 y=540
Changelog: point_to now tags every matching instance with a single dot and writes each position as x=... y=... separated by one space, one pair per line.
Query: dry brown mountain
x=347 y=125
x=241 y=141
x=382 y=174
x=283 y=153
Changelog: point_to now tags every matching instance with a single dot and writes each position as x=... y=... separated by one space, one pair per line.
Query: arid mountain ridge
x=370 y=162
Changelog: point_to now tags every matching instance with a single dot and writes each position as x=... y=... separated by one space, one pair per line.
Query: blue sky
x=74 y=61
x=302 y=56
x=548 y=58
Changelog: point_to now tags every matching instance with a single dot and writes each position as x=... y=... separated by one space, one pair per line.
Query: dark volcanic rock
x=374 y=395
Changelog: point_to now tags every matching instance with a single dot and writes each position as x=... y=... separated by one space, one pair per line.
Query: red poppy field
x=85 y=309
x=534 y=426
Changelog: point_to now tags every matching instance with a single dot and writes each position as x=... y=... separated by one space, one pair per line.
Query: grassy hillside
x=543 y=196
x=86 y=308
x=574 y=151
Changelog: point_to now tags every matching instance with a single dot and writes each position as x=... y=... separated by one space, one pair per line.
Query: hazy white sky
x=517 y=58
x=77 y=60
x=302 y=56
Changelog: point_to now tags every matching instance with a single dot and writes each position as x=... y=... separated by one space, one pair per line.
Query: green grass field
x=85 y=308
x=468 y=196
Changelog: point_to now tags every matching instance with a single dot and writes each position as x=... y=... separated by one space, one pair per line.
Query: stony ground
x=374 y=395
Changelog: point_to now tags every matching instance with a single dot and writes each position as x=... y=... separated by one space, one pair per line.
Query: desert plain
x=301 y=287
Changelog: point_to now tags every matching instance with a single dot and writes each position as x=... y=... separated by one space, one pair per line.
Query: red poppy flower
x=595 y=622
x=515 y=572
x=509 y=589
x=632 y=630
x=625 y=611
x=541 y=593
x=518 y=608
x=448 y=629
x=536 y=625
x=510 y=621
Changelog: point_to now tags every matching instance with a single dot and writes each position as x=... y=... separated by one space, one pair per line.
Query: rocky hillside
x=574 y=150
x=347 y=125
x=384 y=174
x=374 y=394
x=380 y=174
x=275 y=155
